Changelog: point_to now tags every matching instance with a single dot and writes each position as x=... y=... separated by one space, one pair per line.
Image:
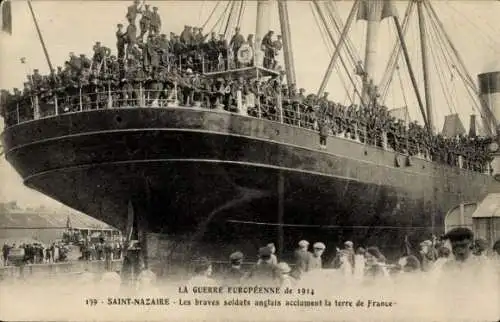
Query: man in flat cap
x=480 y=248
x=145 y=22
x=236 y=42
x=428 y=255
x=349 y=249
x=155 y=23
x=121 y=39
x=235 y=273
x=464 y=278
x=274 y=259
x=265 y=272
x=267 y=47
x=302 y=257
x=285 y=279
x=496 y=249
x=203 y=273
x=186 y=36
x=461 y=240
x=132 y=11
x=315 y=259
x=36 y=79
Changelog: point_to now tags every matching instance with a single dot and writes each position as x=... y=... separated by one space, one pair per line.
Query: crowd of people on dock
x=188 y=69
x=58 y=251
x=456 y=250
x=104 y=249
x=34 y=253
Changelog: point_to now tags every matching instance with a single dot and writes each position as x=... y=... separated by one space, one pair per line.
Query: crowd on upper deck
x=187 y=69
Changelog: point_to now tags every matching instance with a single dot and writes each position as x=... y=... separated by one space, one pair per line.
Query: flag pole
x=41 y=39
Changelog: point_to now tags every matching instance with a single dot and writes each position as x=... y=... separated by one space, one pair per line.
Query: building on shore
x=47 y=226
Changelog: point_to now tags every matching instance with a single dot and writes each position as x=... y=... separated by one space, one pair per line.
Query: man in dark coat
x=186 y=36
x=155 y=22
x=302 y=258
x=323 y=133
x=145 y=22
x=132 y=11
x=461 y=240
x=264 y=273
x=131 y=35
x=236 y=42
x=315 y=261
x=120 y=42
x=235 y=273
x=268 y=47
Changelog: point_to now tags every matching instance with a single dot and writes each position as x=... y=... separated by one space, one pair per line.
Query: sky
x=76 y=25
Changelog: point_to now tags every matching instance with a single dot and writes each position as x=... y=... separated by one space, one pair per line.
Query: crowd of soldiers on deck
x=152 y=70
x=370 y=123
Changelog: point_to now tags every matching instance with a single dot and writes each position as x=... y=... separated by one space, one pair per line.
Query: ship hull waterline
x=214 y=177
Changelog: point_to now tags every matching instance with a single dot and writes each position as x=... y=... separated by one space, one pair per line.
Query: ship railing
x=217 y=64
x=232 y=62
x=31 y=108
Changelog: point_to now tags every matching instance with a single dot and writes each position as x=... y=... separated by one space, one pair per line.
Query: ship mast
x=373 y=15
x=287 y=41
x=41 y=39
x=425 y=66
x=262 y=23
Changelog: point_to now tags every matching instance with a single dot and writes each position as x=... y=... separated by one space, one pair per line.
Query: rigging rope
x=346 y=47
x=449 y=52
x=396 y=51
x=201 y=11
x=475 y=104
x=486 y=114
x=336 y=18
x=220 y=19
x=450 y=44
x=330 y=50
x=242 y=9
x=440 y=74
x=481 y=32
x=229 y=19
x=324 y=23
x=346 y=44
x=402 y=89
x=211 y=14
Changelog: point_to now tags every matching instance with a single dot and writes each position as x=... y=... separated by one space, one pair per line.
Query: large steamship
x=213 y=177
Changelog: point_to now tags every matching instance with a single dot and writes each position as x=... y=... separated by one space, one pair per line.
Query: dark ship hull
x=215 y=177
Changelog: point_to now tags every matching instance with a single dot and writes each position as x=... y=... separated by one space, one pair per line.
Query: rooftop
x=18 y=219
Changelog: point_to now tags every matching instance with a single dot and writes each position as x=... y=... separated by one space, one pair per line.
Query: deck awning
x=489 y=207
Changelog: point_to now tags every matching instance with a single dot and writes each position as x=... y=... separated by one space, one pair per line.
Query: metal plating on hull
x=190 y=163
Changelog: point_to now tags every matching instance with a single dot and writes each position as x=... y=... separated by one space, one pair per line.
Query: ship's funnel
x=489 y=89
x=472 y=126
x=452 y=126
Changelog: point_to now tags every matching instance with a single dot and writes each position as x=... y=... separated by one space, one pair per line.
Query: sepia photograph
x=250 y=160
